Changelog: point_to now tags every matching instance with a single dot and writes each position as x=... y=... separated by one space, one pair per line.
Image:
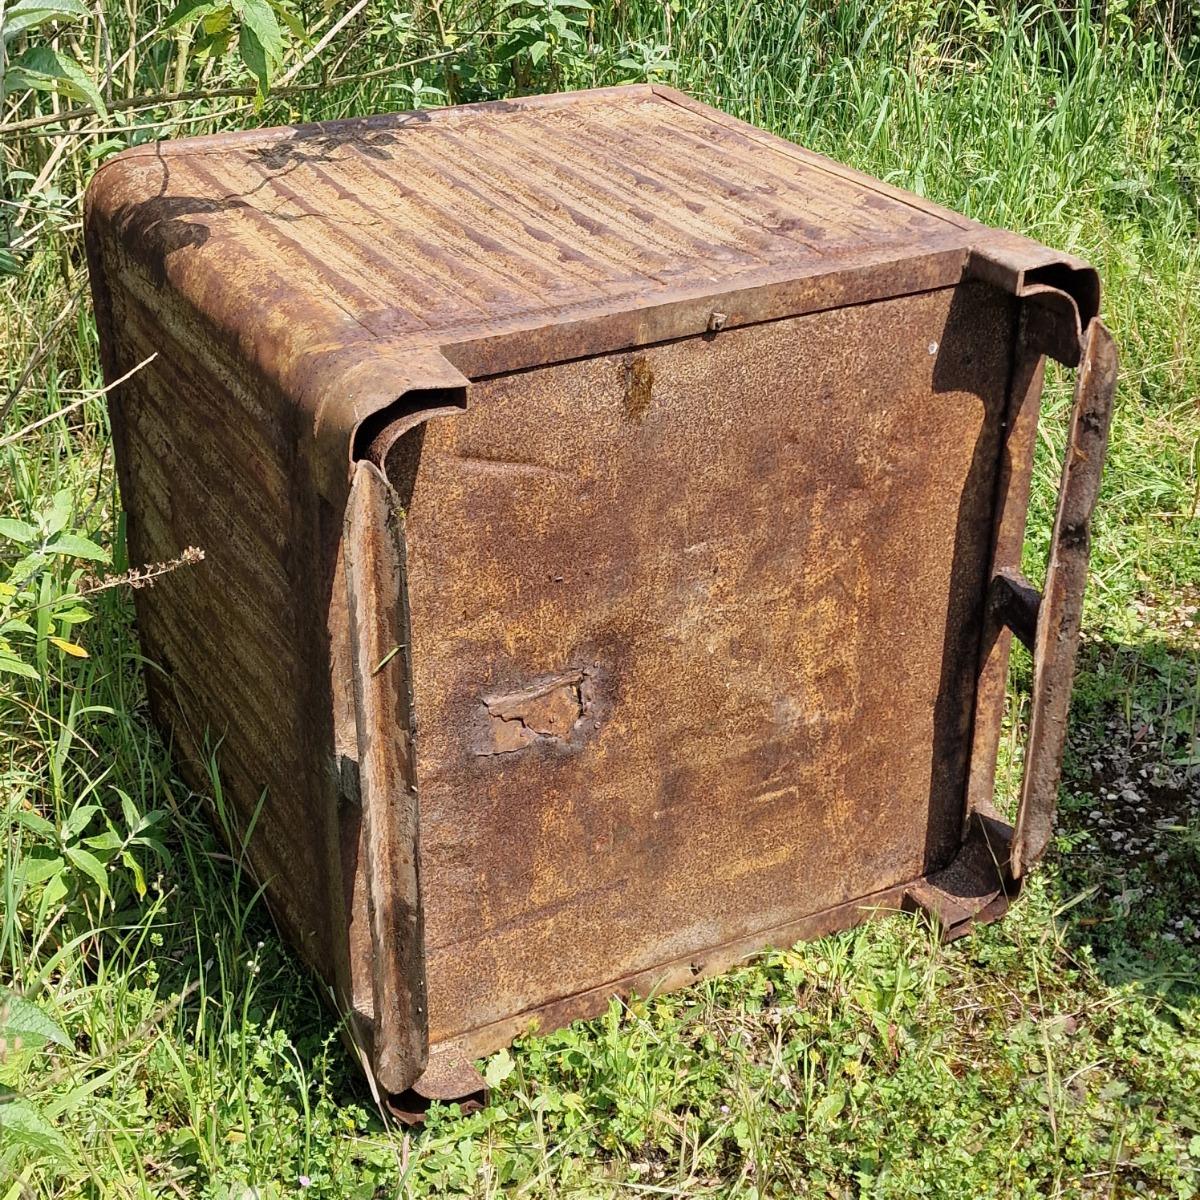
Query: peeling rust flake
x=550 y=711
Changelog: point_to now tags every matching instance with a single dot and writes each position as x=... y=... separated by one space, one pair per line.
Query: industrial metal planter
x=612 y=518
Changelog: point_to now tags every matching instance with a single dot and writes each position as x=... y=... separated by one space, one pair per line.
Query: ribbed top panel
x=437 y=226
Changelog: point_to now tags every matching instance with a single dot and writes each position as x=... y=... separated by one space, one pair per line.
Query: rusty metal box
x=612 y=519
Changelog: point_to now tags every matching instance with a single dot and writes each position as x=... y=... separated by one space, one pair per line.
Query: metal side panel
x=237 y=644
x=694 y=643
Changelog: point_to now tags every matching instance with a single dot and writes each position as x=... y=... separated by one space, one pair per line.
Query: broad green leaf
x=260 y=42
x=90 y=865
x=108 y=840
x=29 y=14
x=828 y=1107
x=21 y=1124
x=48 y=70
x=34 y=822
x=55 y=893
x=8 y=264
x=77 y=547
x=135 y=869
x=12 y=665
x=21 y=1018
x=259 y=15
x=39 y=865
x=217 y=22
x=17 y=531
x=255 y=57
x=293 y=22
x=24 y=569
x=80 y=819
x=129 y=811
x=158 y=848
x=72 y=648
x=186 y=9
x=18 y=626
x=73 y=616
x=55 y=517
x=214 y=47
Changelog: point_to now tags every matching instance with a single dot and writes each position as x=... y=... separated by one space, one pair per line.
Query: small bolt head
x=933 y=349
x=716 y=321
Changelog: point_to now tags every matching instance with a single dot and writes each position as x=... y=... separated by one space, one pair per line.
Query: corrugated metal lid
x=446 y=222
x=513 y=233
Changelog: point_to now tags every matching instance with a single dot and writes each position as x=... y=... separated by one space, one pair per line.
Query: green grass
x=172 y=1046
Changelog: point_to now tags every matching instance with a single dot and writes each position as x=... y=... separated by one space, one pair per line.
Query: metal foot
x=448 y=1078
x=975 y=888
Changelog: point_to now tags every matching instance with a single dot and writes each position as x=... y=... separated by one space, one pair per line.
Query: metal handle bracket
x=1059 y=610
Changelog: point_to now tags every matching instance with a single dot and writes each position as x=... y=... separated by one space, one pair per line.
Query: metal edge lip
x=369 y=375
x=631 y=323
x=375 y=376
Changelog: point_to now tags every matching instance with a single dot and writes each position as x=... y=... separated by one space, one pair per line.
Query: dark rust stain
x=639 y=387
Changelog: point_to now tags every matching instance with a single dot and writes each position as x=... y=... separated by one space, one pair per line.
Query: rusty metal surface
x=664 y=633
x=1015 y=602
x=1061 y=608
x=1014 y=477
x=683 y=971
x=387 y=786
x=342 y=260
x=232 y=644
x=972 y=888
